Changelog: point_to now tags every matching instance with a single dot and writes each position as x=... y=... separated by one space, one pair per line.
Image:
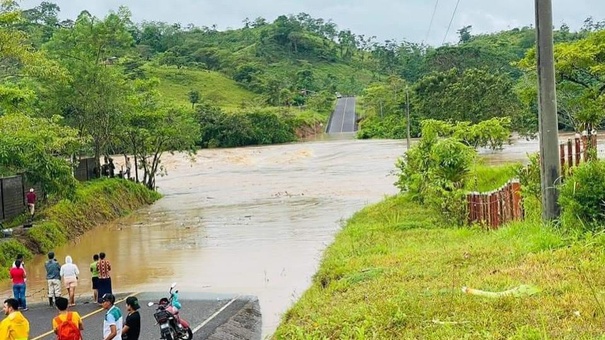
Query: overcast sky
x=386 y=19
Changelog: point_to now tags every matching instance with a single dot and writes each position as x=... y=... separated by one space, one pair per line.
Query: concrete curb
x=245 y=324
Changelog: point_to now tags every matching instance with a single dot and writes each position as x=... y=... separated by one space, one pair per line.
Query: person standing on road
x=31 y=201
x=69 y=273
x=17 y=275
x=67 y=325
x=112 y=323
x=132 y=325
x=53 y=278
x=14 y=326
x=104 y=268
x=94 y=271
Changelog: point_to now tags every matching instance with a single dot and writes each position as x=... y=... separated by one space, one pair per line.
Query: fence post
x=492 y=218
x=562 y=158
x=594 y=143
x=585 y=145
x=569 y=153
x=469 y=208
x=480 y=215
x=516 y=188
x=578 y=151
x=486 y=212
x=508 y=203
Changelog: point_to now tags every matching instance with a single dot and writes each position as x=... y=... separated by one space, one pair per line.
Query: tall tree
x=93 y=97
x=153 y=128
x=194 y=97
x=473 y=95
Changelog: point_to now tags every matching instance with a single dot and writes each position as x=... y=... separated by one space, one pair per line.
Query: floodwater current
x=251 y=221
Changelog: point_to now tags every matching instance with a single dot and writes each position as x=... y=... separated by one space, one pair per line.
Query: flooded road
x=251 y=221
x=248 y=221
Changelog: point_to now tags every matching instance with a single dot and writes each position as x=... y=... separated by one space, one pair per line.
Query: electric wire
x=450 y=24
x=431 y=22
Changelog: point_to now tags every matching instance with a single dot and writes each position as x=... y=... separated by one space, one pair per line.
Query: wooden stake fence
x=496 y=208
x=575 y=152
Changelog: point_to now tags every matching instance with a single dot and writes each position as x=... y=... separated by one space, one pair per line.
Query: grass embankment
x=396 y=272
x=214 y=87
x=95 y=203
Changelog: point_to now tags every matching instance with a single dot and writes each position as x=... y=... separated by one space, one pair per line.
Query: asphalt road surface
x=343 y=117
x=204 y=312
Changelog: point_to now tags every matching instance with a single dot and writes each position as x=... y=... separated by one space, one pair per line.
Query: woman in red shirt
x=17 y=274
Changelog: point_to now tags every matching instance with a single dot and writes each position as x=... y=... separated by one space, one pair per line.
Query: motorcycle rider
x=172 y=308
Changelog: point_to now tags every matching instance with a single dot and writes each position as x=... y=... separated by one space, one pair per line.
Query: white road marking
x=214 y=315
x=344 y=112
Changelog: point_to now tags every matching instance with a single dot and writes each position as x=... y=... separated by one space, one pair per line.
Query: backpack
x=67 y=330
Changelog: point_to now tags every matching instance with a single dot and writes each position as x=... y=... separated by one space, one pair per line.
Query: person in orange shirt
x=15 y=326
x=67 y=321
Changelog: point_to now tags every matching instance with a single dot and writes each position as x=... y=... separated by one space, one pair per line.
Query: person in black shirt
x=132 y=325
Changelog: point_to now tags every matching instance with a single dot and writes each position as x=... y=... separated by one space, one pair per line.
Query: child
x=67 y=325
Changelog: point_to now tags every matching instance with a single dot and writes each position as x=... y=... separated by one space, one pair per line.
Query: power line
x=450 y=24
x=431 y=23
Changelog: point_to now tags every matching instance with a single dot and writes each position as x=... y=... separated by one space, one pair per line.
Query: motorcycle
x=172 y=326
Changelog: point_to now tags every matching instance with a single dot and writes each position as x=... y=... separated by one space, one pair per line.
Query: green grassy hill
x=214 y=87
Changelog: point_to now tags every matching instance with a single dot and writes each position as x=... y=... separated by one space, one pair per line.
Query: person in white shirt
x=69 y=272
x=113 y=321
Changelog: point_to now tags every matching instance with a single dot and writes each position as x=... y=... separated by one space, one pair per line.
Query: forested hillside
x=110 y=85
x=487 y=76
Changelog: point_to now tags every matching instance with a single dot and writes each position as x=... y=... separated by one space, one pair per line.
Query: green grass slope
x=215 y=88
x=396 y=272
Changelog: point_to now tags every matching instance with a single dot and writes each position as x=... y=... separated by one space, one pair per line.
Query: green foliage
x=94 y=95
x=94 y=203
x=396 y=254
x=580 y=80
x=40 y=148
x=194 y=97
x=47 y=235
x=470 y=95
x=529 y=176
x=212 y=86
x=582 y=198
x=248 y=127
x=435 y=170
x=153 y=128
x=9 y=249
x=490 y=133
x=391 y=126
x=484 y=178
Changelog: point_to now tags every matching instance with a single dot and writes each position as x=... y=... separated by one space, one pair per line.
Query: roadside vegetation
x=93 y=203
x=398 y=268
x=90 y=86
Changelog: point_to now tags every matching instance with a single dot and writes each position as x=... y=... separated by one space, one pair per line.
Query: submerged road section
x=343 y=119
x=211 y=316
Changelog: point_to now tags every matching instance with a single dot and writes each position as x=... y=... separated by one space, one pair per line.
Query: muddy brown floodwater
x=251 y=221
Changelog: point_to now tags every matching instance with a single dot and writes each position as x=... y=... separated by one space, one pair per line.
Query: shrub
x=435 y=170
x=253 y=126
x=582 y=198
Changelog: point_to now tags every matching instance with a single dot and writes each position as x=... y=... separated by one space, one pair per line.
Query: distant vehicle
x=338 y=95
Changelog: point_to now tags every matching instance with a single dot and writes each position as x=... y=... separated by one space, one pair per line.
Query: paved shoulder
x=211 y=316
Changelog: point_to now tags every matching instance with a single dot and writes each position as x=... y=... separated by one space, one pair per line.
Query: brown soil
x=308 y=131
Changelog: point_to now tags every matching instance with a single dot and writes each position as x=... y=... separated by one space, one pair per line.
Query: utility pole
x=407 y=109
x=550 y=169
